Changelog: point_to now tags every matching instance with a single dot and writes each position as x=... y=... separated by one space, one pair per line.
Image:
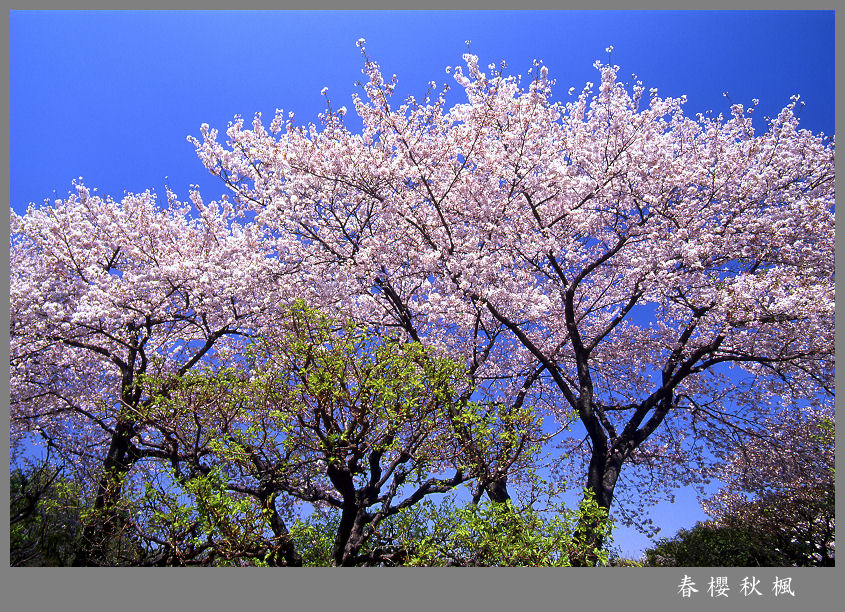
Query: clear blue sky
x=111 y=96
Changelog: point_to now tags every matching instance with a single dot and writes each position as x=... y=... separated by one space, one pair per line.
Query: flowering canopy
x=105 y=295
x=609 y=257
x=611 y=250
x=781 y=484
x=104 y=291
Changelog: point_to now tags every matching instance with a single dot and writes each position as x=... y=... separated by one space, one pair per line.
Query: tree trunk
x=101 y=529
x=287 y=555
x=497 y=490
x=601 y=482
x=349 y=538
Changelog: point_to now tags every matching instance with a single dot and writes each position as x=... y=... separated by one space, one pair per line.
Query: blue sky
x=111 y=96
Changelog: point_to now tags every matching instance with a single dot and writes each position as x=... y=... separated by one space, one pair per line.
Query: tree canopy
x=665 y=281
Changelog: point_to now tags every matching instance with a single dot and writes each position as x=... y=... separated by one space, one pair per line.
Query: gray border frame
x=214 y=589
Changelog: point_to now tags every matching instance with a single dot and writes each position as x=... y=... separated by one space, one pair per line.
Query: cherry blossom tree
x=665 y=278
x=781 y=485
x=777 y=505
x=108 y=294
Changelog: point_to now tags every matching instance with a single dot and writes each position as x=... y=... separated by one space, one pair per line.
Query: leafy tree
x=710 y=545
x=314 y=538
x=610 y=253
x=337 y=417
x=318 y=413
x=501 y=534
x=44 y=517
x=48 y=511
x=781 y=485
x=461 y=534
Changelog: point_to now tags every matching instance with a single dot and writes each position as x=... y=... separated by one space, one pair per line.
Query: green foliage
x=314 y=538
x=452 y=534
x=711 y=545
x=615 y=559
x=356 y=390
x=45 y=518
x=773 y=530
x=201 y=521
x=48 y=513
x=497 y=534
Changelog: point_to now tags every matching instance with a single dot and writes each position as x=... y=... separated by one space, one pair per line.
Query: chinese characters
x=718 y=586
